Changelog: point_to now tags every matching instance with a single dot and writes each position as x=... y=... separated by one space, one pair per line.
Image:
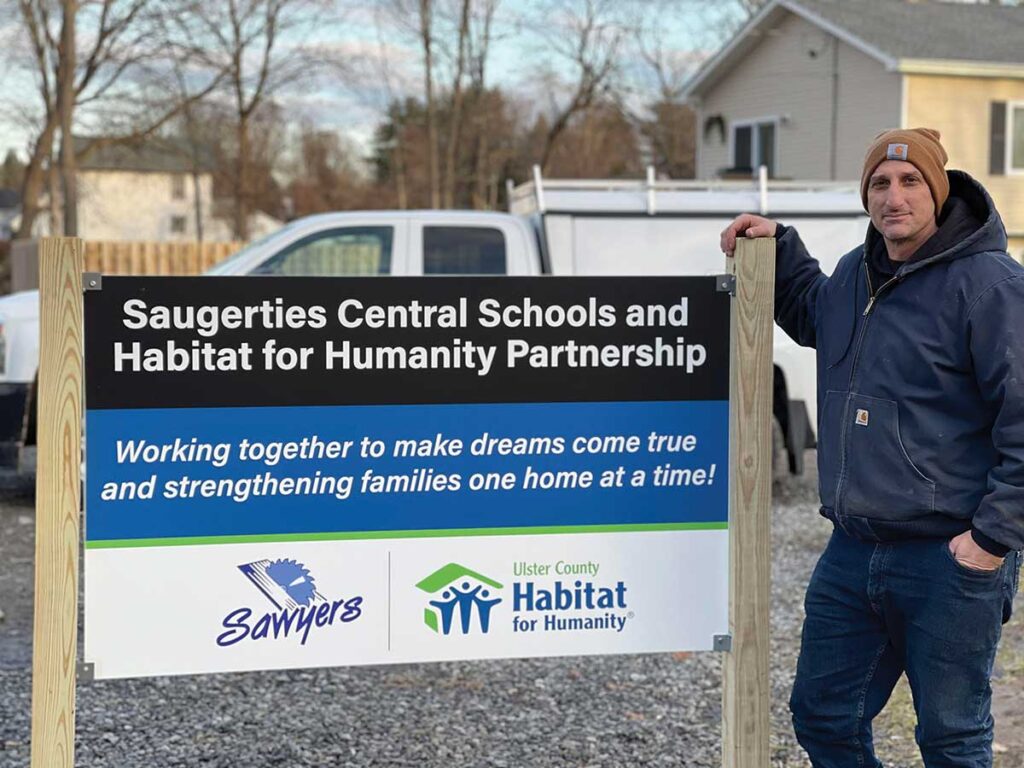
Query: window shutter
x=742 y=149
x=997 y=139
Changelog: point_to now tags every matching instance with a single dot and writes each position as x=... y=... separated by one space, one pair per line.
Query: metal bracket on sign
x=726 y=284
x=86 y=672
x=722 y=643
x=92 y=281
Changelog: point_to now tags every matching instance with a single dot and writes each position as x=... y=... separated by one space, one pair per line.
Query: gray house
x=806 y=85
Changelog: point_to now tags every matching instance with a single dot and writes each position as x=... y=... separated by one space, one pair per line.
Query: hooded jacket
x=920 y=377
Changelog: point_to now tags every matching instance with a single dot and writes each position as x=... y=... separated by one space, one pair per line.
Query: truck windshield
x=225 y=266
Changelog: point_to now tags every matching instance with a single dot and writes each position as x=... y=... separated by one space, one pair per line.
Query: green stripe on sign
x=190 y=541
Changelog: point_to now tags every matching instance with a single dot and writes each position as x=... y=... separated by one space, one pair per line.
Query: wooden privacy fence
x=121 y=258
x=124 y=258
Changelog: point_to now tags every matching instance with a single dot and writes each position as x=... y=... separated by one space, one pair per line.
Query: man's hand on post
x=745 y=225
x=967 y=552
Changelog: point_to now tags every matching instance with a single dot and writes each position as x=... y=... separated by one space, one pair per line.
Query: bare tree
x=103 y=57
x=416 y=20
x=452 y=39
x=66 y=61
x=426 y=24
x=197 y=150
x=455 y=119
x=246 y=39
x=656 y=105
x=479 y=46
x=378 y=80
x=585 y=38
x=601 y=142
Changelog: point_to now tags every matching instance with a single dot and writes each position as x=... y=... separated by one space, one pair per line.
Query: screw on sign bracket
x=92 y=281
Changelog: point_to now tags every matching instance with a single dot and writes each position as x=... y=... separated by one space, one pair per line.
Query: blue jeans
x=875 y=611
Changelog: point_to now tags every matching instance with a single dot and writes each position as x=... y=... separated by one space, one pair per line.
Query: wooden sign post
x=745 y=683
x=58 y=503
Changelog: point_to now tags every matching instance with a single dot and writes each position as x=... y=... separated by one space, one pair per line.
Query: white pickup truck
x=554 y=227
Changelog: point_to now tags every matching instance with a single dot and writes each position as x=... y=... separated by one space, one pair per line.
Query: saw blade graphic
x=287 y=584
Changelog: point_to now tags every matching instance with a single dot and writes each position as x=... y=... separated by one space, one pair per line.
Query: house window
x=178 y=187
x=1006 y=138
x=753 y=145
x=1015 y=133
x=178 y=224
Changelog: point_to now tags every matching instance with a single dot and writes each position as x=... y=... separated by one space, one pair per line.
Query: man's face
x=900 y=202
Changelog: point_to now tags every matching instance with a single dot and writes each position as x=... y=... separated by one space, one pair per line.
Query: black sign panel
x=253 y=341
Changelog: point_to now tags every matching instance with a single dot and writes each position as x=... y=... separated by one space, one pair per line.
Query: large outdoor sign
x=312 y=472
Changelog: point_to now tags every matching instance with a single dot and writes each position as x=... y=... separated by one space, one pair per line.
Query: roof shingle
x=155 y=154
x=929 y=29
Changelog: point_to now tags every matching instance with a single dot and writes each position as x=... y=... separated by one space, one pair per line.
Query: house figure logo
x=456 y=590
x=287 y=584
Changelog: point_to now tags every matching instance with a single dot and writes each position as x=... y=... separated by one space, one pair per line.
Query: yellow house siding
x=960 y=107
x=781 y=77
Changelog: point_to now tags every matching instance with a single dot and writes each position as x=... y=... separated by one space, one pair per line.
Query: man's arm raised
x=798 y=278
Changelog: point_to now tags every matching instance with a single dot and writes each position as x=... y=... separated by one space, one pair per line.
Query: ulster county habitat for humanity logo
x=457 y=591
x=299 y=606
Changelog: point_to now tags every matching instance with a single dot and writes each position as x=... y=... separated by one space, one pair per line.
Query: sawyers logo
x=456 y=591
x=299 y=606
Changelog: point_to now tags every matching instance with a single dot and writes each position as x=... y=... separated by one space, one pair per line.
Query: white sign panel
x=303 y=473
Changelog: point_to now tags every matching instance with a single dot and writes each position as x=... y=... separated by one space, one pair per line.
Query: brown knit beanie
x=919 y=146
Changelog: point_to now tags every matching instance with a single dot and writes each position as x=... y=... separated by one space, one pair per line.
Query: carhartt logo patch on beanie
x=897 y=152
x=918 y=146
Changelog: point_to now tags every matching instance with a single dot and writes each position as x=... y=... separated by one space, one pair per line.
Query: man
x=920 y=346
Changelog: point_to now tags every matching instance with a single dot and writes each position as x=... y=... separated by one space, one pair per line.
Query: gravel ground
x=649 y=710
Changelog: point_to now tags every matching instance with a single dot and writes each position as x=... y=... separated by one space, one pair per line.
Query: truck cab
x=397 y=243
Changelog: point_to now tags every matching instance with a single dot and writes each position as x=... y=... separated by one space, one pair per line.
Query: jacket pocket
x=830 y=435
x=881 y=479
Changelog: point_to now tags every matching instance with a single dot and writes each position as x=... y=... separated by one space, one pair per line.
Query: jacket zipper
x=872 y=298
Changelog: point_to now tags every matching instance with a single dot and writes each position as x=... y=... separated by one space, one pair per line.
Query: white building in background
x=154 y=191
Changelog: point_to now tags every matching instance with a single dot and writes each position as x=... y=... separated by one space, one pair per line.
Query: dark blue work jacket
x=920 y=380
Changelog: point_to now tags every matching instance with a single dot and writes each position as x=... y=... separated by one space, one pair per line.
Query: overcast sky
x=352 y=103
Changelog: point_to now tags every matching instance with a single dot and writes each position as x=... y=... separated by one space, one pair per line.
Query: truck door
x=469 y=249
